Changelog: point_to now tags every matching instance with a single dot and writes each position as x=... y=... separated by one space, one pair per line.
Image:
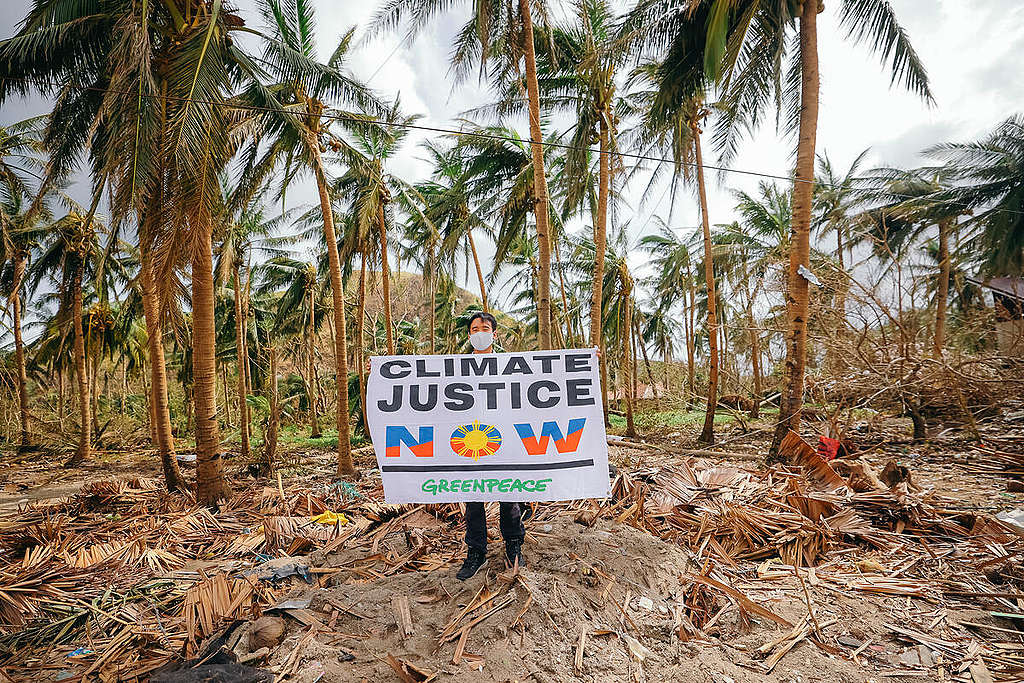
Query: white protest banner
x=480 y=427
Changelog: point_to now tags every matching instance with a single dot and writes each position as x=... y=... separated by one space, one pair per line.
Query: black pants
x=476 y=524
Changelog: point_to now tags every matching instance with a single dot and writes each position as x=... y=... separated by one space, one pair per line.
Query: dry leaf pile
x=136 y=577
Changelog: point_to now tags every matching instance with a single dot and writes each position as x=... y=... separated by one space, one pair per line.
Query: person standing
x=482 y=328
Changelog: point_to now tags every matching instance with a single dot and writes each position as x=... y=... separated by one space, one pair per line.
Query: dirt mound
x=603 y=603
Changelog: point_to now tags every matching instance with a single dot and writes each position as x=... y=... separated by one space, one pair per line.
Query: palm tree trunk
x=626 y=370
x=61 y=403
x=479 y=270
x=270 y=445
x=431 y=300
x=385 y=273
x=667 y=362
x=842 y=285
x=242 y=358
x=224 y=388
x=345 y=466
x=567 y=341
x=245 y=350
x=942 y=292
x=600 y=246
x=691 y=342
x=723 y=349
x=797 y=303
x=210 y=483
x=360 y=338
x=603 y=367
x=707 y=435
x=833 y=363
x=755 y=342
x=94 y=390
x=19 y=347
x=540 y=185
x=160 y=415
x=84 y=451
x=635 y=365
x=314 y=419
x=151 y=407
x=755 y=362
x=647 y=359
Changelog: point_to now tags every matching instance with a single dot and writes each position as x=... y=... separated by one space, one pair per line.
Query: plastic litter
x=330 y=517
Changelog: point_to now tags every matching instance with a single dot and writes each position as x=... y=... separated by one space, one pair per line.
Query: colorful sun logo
x=475 y=440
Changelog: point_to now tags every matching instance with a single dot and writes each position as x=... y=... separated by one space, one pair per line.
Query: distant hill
x=408 y=300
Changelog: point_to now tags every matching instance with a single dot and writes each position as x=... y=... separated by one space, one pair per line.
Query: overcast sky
x=972 y=50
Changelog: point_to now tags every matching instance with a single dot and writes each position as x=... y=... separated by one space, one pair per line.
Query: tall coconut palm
x=139 y=86
x=299 y=304
x=744 y=47
x=672 y=282
x=242 y=229
x=671 y=126
x=291 y=137
x=498 y=34
x=835 y=203
x=661 y=330
x=618 y=319
x=577 y=75
x=904 y=204
x=20 y=146
x=450 y=205
x=989 y=183
x=371 y=188
x=199 y=148
x=421 y=245
x=68 y=254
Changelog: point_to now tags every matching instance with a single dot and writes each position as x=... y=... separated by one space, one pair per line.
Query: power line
x=386 y=60
x=338 y=115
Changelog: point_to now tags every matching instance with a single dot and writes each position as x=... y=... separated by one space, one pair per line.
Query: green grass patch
x=668 y=418
x=293 y=435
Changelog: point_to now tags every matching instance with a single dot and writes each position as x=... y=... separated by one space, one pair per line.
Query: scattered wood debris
x=120 y=579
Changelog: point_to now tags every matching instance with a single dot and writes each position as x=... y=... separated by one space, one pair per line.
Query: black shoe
x=514 y=551
x=474 y=560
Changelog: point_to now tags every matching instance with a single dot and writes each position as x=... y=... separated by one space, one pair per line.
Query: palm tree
x=618 y=320
x=300 y=287
x=69 y=253
x=422 y=244
x=291 y=137
x=672 y=282
x=907 y=203
x=157 y=137
x=19 y=145
x=743 y=48
x=500 y=34
x=661 y=330
x=835 y=202
x=371 y=188
x=989 y=183
x=671 y=126
x=242 y=228
x=449 y=203
x=576 y=75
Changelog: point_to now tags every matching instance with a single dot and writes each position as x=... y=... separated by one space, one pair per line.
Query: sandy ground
x=622 y=588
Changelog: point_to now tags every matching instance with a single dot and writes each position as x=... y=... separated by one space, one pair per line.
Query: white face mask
x=481 y=341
